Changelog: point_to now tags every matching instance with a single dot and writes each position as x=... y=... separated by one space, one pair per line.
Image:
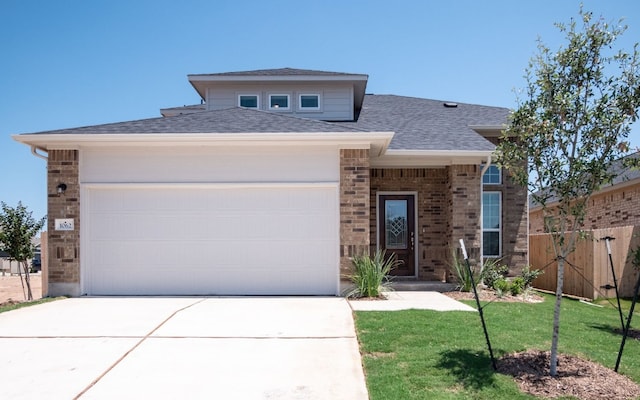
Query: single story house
x=271 y=185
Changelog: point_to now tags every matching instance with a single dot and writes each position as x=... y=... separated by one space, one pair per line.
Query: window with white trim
x=279 y=102
x=248 y=101
x=309 y=102
x=492 y=176
x=491 y=224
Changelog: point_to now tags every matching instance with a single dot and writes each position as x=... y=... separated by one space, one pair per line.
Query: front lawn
x=421 y=354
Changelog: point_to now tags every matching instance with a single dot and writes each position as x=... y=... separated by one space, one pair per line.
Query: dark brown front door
x=397 y=230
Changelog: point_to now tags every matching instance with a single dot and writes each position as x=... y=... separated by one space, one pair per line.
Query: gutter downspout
x=484 y=169
x=35 y=153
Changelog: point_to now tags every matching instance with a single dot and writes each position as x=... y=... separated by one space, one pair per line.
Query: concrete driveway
x=181 y=348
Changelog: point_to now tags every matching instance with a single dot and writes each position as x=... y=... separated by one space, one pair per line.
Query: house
x=614 y=205
x=271 y=185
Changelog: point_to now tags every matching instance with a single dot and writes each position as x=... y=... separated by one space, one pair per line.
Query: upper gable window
x=279 y=102
x=248 y=101
x=309 y=102
x=492 y=176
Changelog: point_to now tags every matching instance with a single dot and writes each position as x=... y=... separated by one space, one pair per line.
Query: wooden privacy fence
x=590 y=270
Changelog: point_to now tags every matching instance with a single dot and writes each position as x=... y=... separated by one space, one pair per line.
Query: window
x=309 y=102
x=492 y=176
x=491 y=224
x=248 y=101
x=278 y=101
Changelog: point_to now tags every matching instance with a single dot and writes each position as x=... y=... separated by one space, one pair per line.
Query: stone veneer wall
x=63 y=246
x=432 y=209
x=354 y=205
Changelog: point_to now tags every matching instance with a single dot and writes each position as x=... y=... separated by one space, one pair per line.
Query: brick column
x=465 y=203
x=63 y=246
x=354 y=205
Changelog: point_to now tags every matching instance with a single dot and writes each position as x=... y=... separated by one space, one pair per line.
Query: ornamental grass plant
x=371 y=274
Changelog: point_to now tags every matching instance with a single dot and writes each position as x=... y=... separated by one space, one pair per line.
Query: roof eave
x=430 y=158
x=489 y=130
x=378 y=142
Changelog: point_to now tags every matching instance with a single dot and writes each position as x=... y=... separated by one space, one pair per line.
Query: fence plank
x=591 y=269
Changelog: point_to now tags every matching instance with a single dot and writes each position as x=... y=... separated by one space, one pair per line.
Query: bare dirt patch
x=577 y=377
x=11 y=288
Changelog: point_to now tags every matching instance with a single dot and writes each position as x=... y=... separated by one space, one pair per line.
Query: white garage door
x=222 y=239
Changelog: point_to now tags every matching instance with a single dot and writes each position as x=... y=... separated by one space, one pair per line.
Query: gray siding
x=336 y=99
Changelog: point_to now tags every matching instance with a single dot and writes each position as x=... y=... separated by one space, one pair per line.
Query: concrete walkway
x=181 y=348
x=405 y=300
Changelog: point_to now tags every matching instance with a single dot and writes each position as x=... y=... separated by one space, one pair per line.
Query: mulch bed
x=490 y=295
x=576 y=377
x=582 y=379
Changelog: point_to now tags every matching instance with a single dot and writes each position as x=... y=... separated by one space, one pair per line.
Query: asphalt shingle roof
x=279 y=72
x=231 y=120
x=423 y=124
x=419 y=124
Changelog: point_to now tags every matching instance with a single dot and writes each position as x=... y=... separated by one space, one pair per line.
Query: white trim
x=256 y=95
x=415 y=224
x=376 y=141
x=318 y=108
x=429 y=158
x=277 y=108
x=499 y=230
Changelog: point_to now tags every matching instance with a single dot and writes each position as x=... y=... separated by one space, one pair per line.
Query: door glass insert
x=396 y=229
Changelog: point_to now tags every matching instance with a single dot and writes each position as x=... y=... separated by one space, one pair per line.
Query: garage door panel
x=211 y=240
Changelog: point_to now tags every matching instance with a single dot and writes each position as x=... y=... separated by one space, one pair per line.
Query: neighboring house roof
x=624 y=176
x=423 y=124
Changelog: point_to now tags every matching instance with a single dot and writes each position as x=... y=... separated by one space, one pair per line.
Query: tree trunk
x=556 y=319
x=27 y=280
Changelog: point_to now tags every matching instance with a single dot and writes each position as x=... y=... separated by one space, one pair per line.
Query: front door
x=397 y=230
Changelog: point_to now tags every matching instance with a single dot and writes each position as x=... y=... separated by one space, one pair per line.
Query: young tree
x=17 y=228
x=566 y=135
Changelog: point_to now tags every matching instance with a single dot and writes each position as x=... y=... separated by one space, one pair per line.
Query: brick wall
x=463 y=198
x=612 y=208
x=63 y=246
x=354 y=205
x=515 y=239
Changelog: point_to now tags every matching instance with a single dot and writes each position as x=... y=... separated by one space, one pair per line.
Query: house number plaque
x=64 y=224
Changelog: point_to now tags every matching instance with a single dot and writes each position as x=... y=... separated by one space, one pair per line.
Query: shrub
x=371 y=276
x=517 y=286
x=528 y=276
x=502 y=286
x=493 y=271
x=459 y=268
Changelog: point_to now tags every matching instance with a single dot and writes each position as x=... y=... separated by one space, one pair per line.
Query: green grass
x=11 y=307
x=421 y=354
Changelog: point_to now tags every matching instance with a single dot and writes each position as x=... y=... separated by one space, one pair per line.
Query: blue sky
x=70 y=63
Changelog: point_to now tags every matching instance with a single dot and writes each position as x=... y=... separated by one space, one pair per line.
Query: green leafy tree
x=571 y=129
x=17 y=229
